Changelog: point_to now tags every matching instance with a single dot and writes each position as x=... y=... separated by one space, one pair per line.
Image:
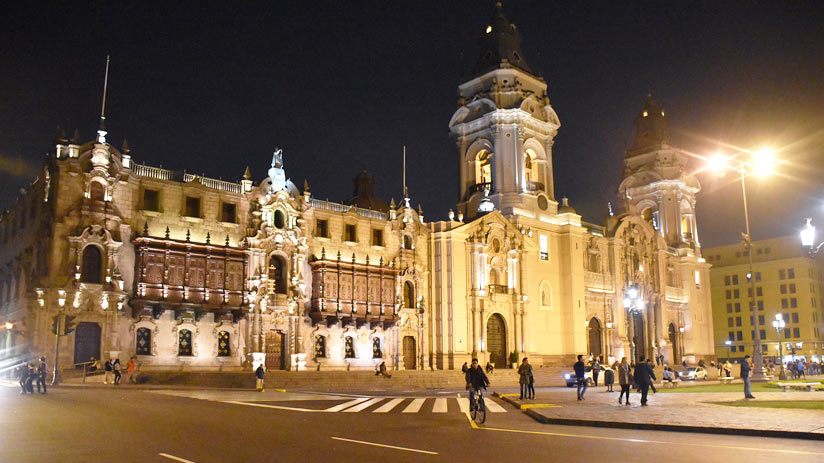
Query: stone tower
x=656 y=182
x=504 y=128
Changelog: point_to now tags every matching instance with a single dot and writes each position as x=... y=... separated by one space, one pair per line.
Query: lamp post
x=729 y=349
x=808 y=239
x=779 y=324
x=761 y=165
x=634 y=304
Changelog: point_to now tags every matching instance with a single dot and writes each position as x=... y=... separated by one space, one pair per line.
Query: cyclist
x=475 y=380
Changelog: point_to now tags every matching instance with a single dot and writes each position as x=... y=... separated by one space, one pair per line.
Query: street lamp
x=760 y=165
x=808 y=239
x=779 y=324
x=634 y=304
x=729 y=349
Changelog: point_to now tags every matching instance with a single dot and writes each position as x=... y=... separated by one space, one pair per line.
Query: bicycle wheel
x=480 y=413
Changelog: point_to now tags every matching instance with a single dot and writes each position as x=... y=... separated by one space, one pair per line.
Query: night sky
x=342 y=86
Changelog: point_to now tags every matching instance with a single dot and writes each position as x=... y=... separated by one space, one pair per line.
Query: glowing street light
x=633 y=303
x=779 y=325
x=728 y=342
x=808 y=239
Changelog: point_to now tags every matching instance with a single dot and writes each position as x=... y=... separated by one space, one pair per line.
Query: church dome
x=566 y=208
x=500 y=42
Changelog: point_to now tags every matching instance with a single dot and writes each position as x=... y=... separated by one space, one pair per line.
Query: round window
x=542 y=202
x=280 y=219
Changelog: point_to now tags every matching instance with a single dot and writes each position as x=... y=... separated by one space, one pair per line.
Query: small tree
x=513 y=357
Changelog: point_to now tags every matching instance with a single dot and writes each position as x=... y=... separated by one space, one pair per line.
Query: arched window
x=376 y=348
x=407 y=242
x=92 y=266
x=483 y=167
x=349 y=347
x=409 y=294
x=184 y=343
x=280 y=219
x=531 y=166
x=97 y=192
x=224 y=348
x=320 y=346
x=277 y=274
x=143 y=342
x=687 y=222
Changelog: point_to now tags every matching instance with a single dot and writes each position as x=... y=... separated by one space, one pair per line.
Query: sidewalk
x=685 y=411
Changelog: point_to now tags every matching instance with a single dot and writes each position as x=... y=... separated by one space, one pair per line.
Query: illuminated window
x=484 y=167
x=184 y=343
x=320 y=346
x=349 y=347
x=224 y=348
x=544 y=241
x=143 y=345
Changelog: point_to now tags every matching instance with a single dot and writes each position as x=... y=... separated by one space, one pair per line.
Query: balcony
x=534 y=186
x=479 y=187
x=498 y=289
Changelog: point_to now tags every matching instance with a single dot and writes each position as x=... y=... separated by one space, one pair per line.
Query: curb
x=518 y=405
x=675 y=427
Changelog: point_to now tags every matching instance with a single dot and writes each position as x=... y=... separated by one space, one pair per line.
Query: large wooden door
x=274 y=351
x=594 y=339
x=86 y=342
x=496 y=341
x=410 y=353
x=673 y=338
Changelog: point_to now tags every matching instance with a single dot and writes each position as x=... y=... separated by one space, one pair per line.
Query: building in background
x=787 y=282
x=189 y=272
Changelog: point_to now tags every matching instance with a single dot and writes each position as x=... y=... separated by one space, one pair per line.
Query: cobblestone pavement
x=684 y=408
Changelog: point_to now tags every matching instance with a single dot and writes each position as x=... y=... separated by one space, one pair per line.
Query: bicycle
x=478 y=413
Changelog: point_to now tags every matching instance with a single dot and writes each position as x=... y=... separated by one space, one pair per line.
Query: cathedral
x=192 y=273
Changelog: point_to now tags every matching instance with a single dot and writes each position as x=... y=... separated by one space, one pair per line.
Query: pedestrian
x=489 y=367
x=652 y=385
x=745 y=375
x=31 y=373
x=259 y=372
x=464 y=368
x=523 y=378
x=41 y=375
x=720 y=368
x=609 y=377
x=116 y=371
x=108 y=367
x=580 y=368
x=531 y=384
x=727 y=369
x=624 y=379
x=684 y=364
x=667 y=375
x=130 y=369
x=644 y=376
x=22 y=373
x=92 y=365
x=702 y=364
x=596 y=370
x=801 y=369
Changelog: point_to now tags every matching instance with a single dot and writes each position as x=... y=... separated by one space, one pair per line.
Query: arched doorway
x=594 y=337
x=277 y=274
x=274 y=351
x=496 y=340
x=86 y=342
x=409 y=353
x=673 y=339
x=639 y=338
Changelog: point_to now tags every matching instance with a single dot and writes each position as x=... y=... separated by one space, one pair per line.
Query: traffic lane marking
x=440 y=406
x=278 y=407
x=344 y=405
x=387 y=407
x=375 y=444
x=414 y=406
x=363 y=405
x=526 y=406
x=642 y=441
x=172 y=457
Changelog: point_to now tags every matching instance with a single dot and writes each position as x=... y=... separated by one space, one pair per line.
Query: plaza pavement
x=682 y=411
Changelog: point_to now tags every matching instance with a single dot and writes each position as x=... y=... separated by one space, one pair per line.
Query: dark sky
x=342 y=86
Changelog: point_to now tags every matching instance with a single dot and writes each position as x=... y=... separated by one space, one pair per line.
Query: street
x=75 y=424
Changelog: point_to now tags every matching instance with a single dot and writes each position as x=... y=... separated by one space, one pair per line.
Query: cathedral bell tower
x=656 y=183
x=504 y=128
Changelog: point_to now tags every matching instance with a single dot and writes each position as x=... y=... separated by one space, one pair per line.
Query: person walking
x=651 y=384
x=259 y=373
x=108 y=367
x=609 y=377
x=523 y=380
x=745 y=375
x=801 y=369
x=31 y=373
x=130 y=369
x=580 y=368
x=22 y=374
x=624 y=379
x=41 y=375
x=116 y=371
x=727 y=369
x=531 y=384
x=596 y=370
x=643 y=376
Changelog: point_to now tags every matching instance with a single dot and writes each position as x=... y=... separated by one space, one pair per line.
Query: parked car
x=692 y=373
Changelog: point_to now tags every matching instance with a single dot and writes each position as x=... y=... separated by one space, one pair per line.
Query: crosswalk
x=410 y=405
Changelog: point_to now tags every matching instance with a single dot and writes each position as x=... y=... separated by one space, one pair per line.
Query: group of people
x=28 y=373
x=640 y=375
x=112 y=370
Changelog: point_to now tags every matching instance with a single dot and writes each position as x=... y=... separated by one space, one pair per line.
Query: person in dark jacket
x=580 y=368
x=108 y=368
x=475 y=380
x=41 y=375
x=624 y=379
x=22 y=376
x=464 y=368
x=259 y=372
x=745 y=375
x=643 y=376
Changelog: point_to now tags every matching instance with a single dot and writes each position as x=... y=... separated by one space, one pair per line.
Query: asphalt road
x=73 y=424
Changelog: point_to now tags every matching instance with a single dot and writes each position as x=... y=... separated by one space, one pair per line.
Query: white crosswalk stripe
x=363 y=406
x=463 y=402
x=414 y=406
x=493 y=406
x=440 y=406
x=388 y=406
x=342 y=406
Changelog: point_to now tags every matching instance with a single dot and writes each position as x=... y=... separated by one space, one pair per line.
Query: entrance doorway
x=638 y=336
x=594 y=337
x=410 y=353
x=274 y=351
x=86 y=342
x=676 y=349
x=496 y=340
